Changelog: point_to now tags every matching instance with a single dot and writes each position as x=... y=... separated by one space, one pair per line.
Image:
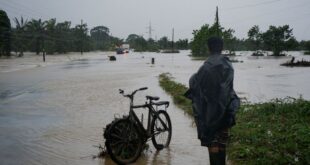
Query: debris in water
x=112 y=58
x=302 y=63
x=103 y=152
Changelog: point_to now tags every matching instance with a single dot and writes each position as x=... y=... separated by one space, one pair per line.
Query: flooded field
x=54 y=113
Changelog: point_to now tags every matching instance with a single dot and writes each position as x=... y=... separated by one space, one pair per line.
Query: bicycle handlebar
x=143 y=88
x=133 y=93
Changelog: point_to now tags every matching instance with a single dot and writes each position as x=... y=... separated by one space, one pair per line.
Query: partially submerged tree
x=163 y=42
x=50 y=36
x=182 y=44
x=199 y=43
x=100 y=37
x=306 y=47
x=20 y=35
x=276 y=38
x=5 y=34
x=80 y=32
x=255 y=37
x=137 y=42
x=229 y=41
x=37 y=30
x=64 y=37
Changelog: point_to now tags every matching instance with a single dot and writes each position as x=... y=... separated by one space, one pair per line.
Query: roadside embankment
x=275 y=132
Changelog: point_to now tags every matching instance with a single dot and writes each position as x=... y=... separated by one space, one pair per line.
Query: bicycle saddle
x=152 y=97
x=166 y=103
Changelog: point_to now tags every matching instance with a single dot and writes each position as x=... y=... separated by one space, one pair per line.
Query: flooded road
x=55 y=114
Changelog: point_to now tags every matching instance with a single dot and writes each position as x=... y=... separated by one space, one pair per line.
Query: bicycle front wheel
x=161 y=130
x=124 y=143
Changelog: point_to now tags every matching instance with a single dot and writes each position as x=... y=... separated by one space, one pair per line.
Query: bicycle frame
x=151 y=114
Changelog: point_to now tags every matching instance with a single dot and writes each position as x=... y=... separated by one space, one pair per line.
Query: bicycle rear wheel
x=124 y=143
x=161 y=130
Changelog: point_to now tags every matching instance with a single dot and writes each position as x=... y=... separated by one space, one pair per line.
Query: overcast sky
x=124 y=17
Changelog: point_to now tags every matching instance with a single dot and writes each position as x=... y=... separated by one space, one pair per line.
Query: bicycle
x=125 y=137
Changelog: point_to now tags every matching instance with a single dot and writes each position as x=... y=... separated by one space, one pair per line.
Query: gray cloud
x=124 y=17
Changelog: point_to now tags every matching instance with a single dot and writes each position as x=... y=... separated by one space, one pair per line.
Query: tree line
x=275 y=39
x=53 y=37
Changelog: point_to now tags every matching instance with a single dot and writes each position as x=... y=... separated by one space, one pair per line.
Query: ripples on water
x=55 y=114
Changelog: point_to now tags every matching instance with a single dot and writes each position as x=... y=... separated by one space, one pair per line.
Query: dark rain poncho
x=214 y=99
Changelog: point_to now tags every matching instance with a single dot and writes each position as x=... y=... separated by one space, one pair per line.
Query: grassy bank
x=276 y=132
x=176 y=90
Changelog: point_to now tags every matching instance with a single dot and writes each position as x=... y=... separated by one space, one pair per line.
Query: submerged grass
x=276 y=132
x=176 y=90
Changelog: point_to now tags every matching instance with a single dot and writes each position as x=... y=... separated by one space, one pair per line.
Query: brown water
x=55 y=114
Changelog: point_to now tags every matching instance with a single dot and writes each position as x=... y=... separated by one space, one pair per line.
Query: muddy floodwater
x=54 y=113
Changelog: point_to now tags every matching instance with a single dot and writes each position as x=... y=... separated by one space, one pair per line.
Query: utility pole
x=150 y=29
x=43 y=44
x=172 y=42
x=82 y=37
x=217 y=22
x=43 y=50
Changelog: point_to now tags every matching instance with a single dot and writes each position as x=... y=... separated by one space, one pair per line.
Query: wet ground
x=54 y=113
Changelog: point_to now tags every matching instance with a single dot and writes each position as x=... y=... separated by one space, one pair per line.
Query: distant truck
x=124 y=48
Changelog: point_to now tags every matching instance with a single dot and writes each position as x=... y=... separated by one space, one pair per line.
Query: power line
x=19 y=11
x=252 y=5
x=267 y=13
x=28 y=8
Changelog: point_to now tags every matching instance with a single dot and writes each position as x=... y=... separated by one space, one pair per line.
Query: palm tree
x=50 y=26
x=20 y=35
x=37 y=29
x=5 y=34
x=64 y=37
x=81 y=36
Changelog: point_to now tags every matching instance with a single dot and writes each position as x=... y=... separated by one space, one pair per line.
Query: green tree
x=163 y=43
x=100 y=36
x=199 y=45
x=115 y=42
x=182 y=44
x=80 y=33
x=20 y=35
x=64 y=37
x=37 y=30
x=152 y=45
x=137 y=42
x=50 y=36
x=276 y=38
x=229 y=40
x=132 y=40
x=255 y=37
x=308 y=46
x=292 y=44
x=305 y=45
x=5 y=34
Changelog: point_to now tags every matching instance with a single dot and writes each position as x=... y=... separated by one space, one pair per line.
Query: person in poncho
x=214 y=101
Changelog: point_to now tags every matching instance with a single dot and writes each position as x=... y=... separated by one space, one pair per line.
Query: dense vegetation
x=199 y=43
x=61 y=37
x=5 y=34
x=276 y=132
x=52 y=37
x=275 y=39
x=138 y=43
